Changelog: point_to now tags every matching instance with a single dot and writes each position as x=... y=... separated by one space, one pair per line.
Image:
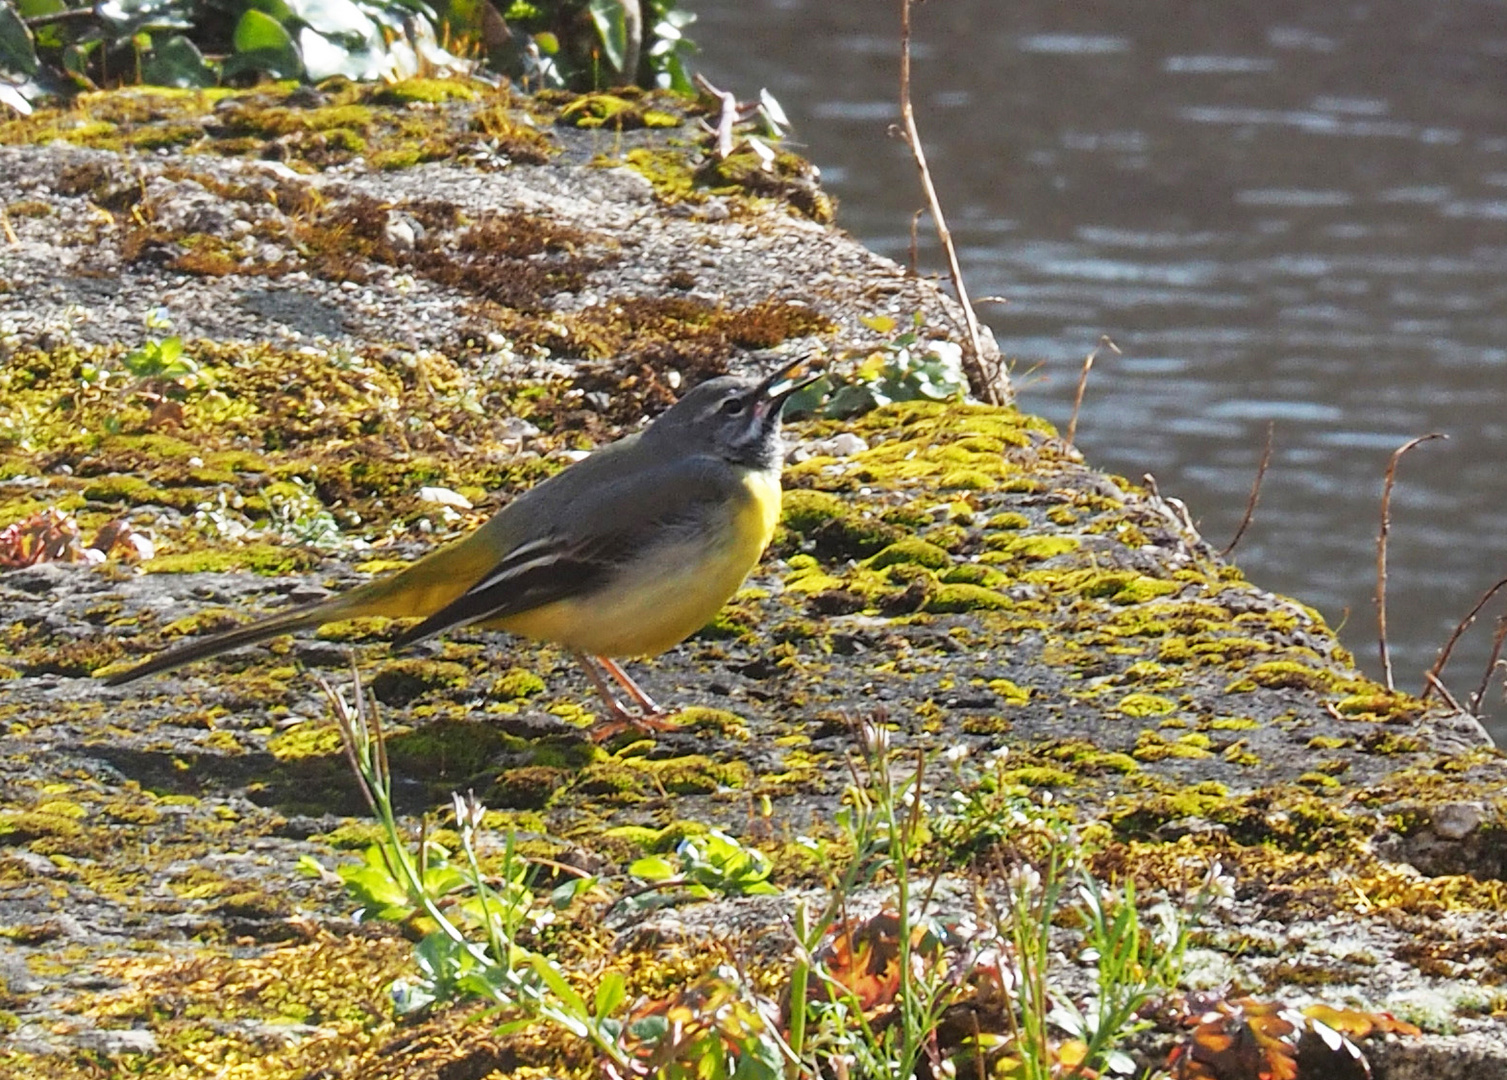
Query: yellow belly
x=668 y=595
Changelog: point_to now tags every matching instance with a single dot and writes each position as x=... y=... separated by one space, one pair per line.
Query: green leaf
x=610 y=993
x=257 y=31
x=573 y=1002
x=612 y=27
x=18 y=52
x=177 y=62
x=653 y=868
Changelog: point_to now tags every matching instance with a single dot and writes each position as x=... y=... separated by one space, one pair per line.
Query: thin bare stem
x=985 y=384
x=725 y=119
x=1434 y=684
x=1381 y=551
x=1088 y=363
x=915 y=246
x=1491 y=665
x=1431 y=677
x=1250 y=504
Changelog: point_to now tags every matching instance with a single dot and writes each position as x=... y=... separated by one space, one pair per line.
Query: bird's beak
x=771 y=400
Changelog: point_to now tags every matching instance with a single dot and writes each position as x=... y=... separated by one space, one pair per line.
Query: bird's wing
x=609 y=523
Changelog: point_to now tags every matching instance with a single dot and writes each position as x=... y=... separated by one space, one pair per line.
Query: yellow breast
x=666 y=595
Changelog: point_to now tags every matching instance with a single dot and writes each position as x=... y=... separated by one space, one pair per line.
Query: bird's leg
x=651 y=708
x=621 y=717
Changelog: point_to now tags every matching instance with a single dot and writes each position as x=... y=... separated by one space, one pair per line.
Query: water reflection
x=1282 y=210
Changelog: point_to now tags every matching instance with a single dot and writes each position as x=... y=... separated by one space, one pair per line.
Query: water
x=1279 y=211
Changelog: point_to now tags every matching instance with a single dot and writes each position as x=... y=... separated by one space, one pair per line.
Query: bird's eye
x=731 y=407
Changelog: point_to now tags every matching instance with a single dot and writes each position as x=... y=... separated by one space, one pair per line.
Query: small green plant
x=706 y=866
x=910 y=366
x=472 y=926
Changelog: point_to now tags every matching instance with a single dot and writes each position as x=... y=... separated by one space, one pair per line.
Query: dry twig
x=1431 y=677
x=1434 y=684
x=1250 y=504
x=915 y=247
x=986 y=384
x=725 y=119
x=1491 y=664
x=1088 y=363
x=1381 y=551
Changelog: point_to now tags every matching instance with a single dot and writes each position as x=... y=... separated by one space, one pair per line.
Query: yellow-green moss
x=912 y=550
x=959 y=598
x=1143 y=705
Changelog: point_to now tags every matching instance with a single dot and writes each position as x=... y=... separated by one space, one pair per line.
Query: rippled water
x=1279 y=211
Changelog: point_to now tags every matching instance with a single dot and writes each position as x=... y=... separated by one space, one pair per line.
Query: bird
x=622 y=554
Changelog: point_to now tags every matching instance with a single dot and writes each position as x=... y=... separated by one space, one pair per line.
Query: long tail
x=200 y=649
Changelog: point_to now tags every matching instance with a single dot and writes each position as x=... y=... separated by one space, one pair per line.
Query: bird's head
x=736 y=418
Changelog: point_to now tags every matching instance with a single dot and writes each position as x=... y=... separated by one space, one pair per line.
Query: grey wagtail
x=627 y=552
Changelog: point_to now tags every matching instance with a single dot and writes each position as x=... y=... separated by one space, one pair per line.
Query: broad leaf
x=18 y=52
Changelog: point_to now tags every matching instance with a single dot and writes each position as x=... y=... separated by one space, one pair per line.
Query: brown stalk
x=726 y=118
x=1491 y=664
x=1434 y=684
x=1381 y=551
x=1250 y=504
x=915 y=224
x=1088 y=363
x=1431 y=677
x=985 y=384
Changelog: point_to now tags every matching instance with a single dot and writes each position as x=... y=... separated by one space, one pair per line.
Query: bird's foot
x=649 y=719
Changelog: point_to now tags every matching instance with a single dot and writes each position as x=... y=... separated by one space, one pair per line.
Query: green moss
x=958 y=598
x=838 y=529
x=1034 y=548
x=910 y=550
x=530 y=787
x=1152 y=746
x=516 y=684
x=24 y=827
x=1013 y=694
x=1286 y=675
x=1009 y=520
x=1038 y=776
x=1143 y=705
x=305 y=741
x=400 y=681
x=431 y=91
x=1233 y=723
x=353 y=835
x=266 y=559
x=975 y=574
x=1328 y=742
x=1128 y=588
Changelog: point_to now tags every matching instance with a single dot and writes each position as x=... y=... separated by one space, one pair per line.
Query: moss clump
x=1128 y=588
x=1010 y=520
x=1285 y=675
x=1152 y=746
x=516 y=684
x=531 y=787
x=429 y=91
x=1143 y=705
x=1033 y=548
x=975 y=574
x=616 y=112
x=838 y=530
x=919 y=552
x=400 y=681
x=959 y=598
x=266 y=559
x=305 y=741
